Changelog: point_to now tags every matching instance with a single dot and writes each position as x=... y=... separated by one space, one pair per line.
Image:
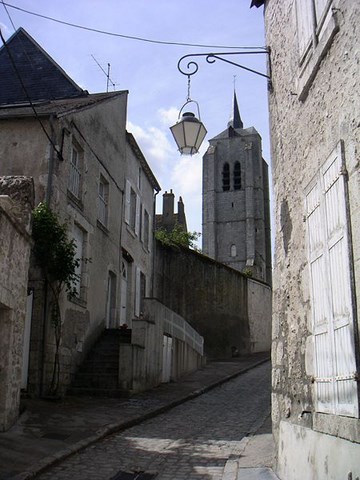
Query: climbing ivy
x=55 y=254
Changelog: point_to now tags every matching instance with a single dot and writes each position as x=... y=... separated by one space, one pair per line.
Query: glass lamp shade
x=188 y=133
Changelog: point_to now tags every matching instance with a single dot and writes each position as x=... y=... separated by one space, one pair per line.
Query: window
x=312 y=19
x=103 y=201
x=226 y=177
x=75 y=172
x=316 y=26
x=140 y=291
x=233 y=251
x=237 y=176
x=146 y=229
x=331 y=290
x=132 y=208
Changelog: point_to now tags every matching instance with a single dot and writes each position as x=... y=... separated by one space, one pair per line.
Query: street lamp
x=189 y=132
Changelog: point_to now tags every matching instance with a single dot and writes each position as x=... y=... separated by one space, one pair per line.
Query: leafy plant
x=55 y=254
x=178 y=236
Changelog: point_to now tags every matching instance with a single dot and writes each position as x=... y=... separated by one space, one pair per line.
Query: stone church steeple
x=235 y=119
x=236 y=217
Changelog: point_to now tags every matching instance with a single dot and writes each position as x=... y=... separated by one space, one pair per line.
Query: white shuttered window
x=331 y=298
x=312 y=16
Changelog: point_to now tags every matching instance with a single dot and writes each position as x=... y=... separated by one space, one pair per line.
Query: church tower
x=236 y=213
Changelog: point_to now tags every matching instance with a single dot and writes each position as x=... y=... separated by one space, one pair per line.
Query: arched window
x=237 y=176
x=233 y=251
x=226 y=177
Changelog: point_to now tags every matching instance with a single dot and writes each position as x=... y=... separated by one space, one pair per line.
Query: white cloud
x=168 y=116
x=154 y=144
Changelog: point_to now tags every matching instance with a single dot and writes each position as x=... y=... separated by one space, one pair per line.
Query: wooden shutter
x=304 y=18
x=137 y=215
x=127 y=201
x=331 y=293
x=137 y=291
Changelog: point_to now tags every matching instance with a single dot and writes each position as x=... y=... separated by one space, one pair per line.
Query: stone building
x=236 y=216
x=141 y=188
x=16 y=204
x=315 y=132
x=75 y=146
x=168 y=218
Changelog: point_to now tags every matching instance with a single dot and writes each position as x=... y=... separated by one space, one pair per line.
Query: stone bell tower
x=236 y=214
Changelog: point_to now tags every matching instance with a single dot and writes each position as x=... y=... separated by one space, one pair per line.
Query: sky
x=157 y=90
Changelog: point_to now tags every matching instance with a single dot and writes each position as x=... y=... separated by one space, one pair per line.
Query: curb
x=103 y=432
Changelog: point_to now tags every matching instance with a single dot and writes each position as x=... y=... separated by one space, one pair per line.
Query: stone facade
x=314 y=113
x=90 y=136
x=137 y=232
x=16 y=203
x=219 y=302
x=236 y=218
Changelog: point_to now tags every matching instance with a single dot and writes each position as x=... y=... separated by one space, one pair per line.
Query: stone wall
x=213 y=298
x=16 y=203
x=143 y=362
x=314 y=107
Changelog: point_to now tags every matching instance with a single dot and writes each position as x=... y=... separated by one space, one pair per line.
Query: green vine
x=55 y=254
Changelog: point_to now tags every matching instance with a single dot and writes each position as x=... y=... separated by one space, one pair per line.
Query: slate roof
x=56 y=107
x=236 y=132
x=257 y=3
x=235 y=121
x=43 y=78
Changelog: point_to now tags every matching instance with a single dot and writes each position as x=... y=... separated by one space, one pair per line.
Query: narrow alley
x=192 y=441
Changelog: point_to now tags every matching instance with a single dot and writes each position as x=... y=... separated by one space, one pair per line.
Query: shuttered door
x=335 y=384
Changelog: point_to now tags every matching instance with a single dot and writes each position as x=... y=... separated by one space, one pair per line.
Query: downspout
x=154 y=245
x=51 y=162
x=48 y=196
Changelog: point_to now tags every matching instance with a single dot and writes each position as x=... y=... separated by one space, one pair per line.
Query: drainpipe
x=51 y=162
x=154 y=245
x=48 y=195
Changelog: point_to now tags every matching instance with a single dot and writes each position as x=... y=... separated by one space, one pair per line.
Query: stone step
x=98 y=369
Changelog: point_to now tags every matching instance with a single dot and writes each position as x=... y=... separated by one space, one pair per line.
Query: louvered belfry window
x=331 y=290
x=226 y=177
x=237 y=176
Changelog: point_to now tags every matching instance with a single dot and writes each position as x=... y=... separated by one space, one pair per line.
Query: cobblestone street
x=191 y=441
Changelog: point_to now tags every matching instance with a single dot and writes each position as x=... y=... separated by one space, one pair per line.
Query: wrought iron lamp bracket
x=191 y=67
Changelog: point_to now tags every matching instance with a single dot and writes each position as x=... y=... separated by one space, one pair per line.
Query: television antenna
x=106 y=73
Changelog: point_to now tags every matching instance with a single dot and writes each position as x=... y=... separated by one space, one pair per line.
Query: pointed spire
x=235 y=119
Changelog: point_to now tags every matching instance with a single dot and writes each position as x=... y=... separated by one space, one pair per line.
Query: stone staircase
x=98 y=375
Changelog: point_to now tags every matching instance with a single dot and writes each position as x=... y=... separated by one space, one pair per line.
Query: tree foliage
x=177 y=237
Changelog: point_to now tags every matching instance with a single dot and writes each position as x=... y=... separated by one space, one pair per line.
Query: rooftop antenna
x=107 y=74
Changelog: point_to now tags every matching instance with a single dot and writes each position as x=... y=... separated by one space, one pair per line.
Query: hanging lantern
x=188 y=132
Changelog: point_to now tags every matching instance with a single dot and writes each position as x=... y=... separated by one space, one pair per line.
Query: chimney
x=181 y=213
x=168 y=209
